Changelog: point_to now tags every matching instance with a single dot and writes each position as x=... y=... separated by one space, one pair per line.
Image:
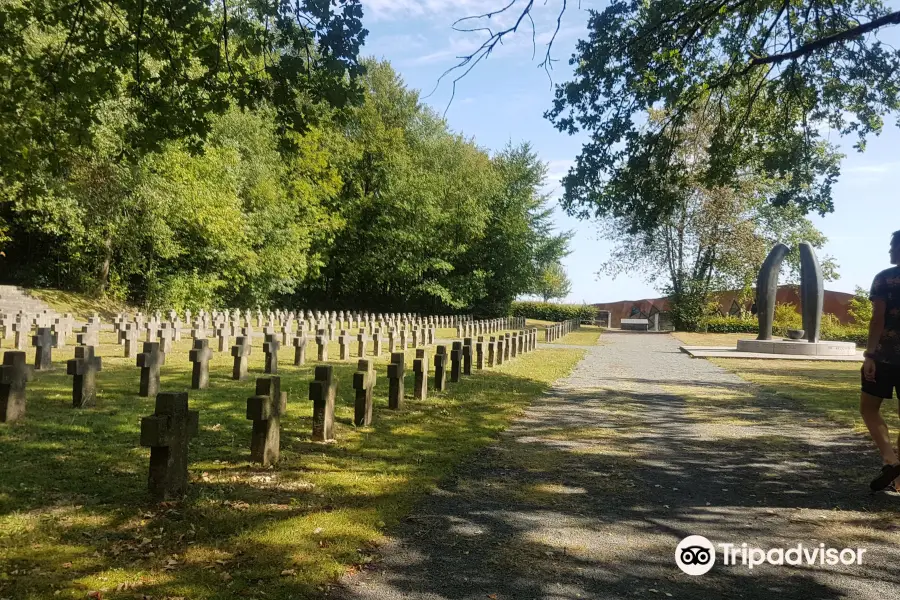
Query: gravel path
x=588 y=494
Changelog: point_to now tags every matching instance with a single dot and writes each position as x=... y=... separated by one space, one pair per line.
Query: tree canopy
x=776 y=74
x=371 y=202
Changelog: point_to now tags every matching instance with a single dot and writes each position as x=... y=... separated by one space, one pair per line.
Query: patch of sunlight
x=556 y=488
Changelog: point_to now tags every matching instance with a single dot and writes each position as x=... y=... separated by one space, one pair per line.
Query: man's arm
x=876 y=325
x=876 y=328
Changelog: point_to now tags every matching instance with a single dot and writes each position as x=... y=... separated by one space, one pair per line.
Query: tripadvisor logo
x=696 y=555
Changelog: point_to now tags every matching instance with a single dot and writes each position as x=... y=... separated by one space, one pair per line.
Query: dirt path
x=588 y=494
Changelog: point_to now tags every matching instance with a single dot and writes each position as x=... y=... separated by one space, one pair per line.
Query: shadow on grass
x=75 y=517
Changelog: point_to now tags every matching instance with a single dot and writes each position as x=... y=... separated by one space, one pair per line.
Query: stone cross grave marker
x=376 y=342
x=84 y=368
x=499 y=351
x=22 y=330
x=467 y=356
x=420 y=369
x=271 y=347
x=223 y=338
x=15 y=373
x=364 y=384
x=479 y=353
x=506 y=347
x=128 y=336
x=396 y=374
x=361 y=338
x=165 y=340
x=241 y=353
x=344 y=345
x=440 y=368
x=322 y=343
x=167 y=432
x=200 y=356
x=43 y=344
x=300 y=348
x=322 y=391
x=455 y=361
x=150 y=360
x=265 y=409
x=514 y=345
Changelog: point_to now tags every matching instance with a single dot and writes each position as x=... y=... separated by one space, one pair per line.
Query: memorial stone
x=84 y=368
x=364 y=384
x=168 y=432
x=322 y=392
x=265 y=409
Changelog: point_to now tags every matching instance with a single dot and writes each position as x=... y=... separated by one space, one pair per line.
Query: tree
x=860 y=307
x=177 y=64
x=775 y=73
x=553 y=283
x=715 y=238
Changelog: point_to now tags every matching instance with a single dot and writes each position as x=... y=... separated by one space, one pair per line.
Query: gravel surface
x=587 y=495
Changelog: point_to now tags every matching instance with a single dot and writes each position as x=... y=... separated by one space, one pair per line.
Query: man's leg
x=870 y=409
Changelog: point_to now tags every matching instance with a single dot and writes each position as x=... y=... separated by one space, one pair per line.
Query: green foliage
x=715 y=237
x=860 y=307
x=689 y=304
x=174 y=65
x=779 y=75
x=553 y=283
x=787 y=316
x=377 y=206
x=731 y=324
x=550 y=311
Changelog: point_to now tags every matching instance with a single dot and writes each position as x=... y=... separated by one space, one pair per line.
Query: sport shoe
x=888 y=474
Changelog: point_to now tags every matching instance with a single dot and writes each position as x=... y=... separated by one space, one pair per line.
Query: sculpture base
x=797 y=347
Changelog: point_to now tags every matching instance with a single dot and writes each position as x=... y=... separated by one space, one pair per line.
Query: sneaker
x=888 y=474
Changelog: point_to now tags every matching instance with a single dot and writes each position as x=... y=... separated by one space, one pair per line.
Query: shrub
x=551 y=311
x=786 y=317
x=730 y=324
x=860 y=307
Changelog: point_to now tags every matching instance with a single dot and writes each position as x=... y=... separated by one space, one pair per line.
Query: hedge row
x=831 y=332
x=550 y=311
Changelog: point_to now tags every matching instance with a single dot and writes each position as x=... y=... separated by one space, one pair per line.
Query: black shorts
x=887 y=379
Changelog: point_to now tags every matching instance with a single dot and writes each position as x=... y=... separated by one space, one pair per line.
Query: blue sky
x=504 y=99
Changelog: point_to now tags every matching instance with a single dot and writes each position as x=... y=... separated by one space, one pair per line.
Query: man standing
x=881 y=370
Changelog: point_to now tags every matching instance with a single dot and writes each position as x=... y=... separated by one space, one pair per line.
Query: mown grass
x=586 y=336
x=75 y=516
x=81 y=306
x=711 y=339
x=830 y=388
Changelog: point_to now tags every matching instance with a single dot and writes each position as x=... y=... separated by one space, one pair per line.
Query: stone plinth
x=797 y=347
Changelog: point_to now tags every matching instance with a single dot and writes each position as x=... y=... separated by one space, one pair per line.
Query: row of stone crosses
x=169 y=429
x=85 y=365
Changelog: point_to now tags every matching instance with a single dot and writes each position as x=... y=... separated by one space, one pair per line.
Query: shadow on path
x=587 y=495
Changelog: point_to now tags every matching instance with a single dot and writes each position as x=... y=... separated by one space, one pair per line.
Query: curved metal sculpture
x=812 y=292
x=766 y=288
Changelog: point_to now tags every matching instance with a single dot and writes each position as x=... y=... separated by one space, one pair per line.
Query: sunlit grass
x=831 y=388
x=75 y=517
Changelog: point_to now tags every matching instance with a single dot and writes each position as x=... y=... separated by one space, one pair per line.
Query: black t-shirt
x=887 y=287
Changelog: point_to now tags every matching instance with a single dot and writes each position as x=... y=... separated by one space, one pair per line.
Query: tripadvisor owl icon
x=695 y=555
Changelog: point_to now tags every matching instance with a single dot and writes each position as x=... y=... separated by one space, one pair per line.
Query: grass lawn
x=831 y=388
x=75 y=516
x=80 y=305
x=712 y=339
x=586 y=336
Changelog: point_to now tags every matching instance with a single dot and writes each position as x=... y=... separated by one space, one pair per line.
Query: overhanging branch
x=806 y=49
